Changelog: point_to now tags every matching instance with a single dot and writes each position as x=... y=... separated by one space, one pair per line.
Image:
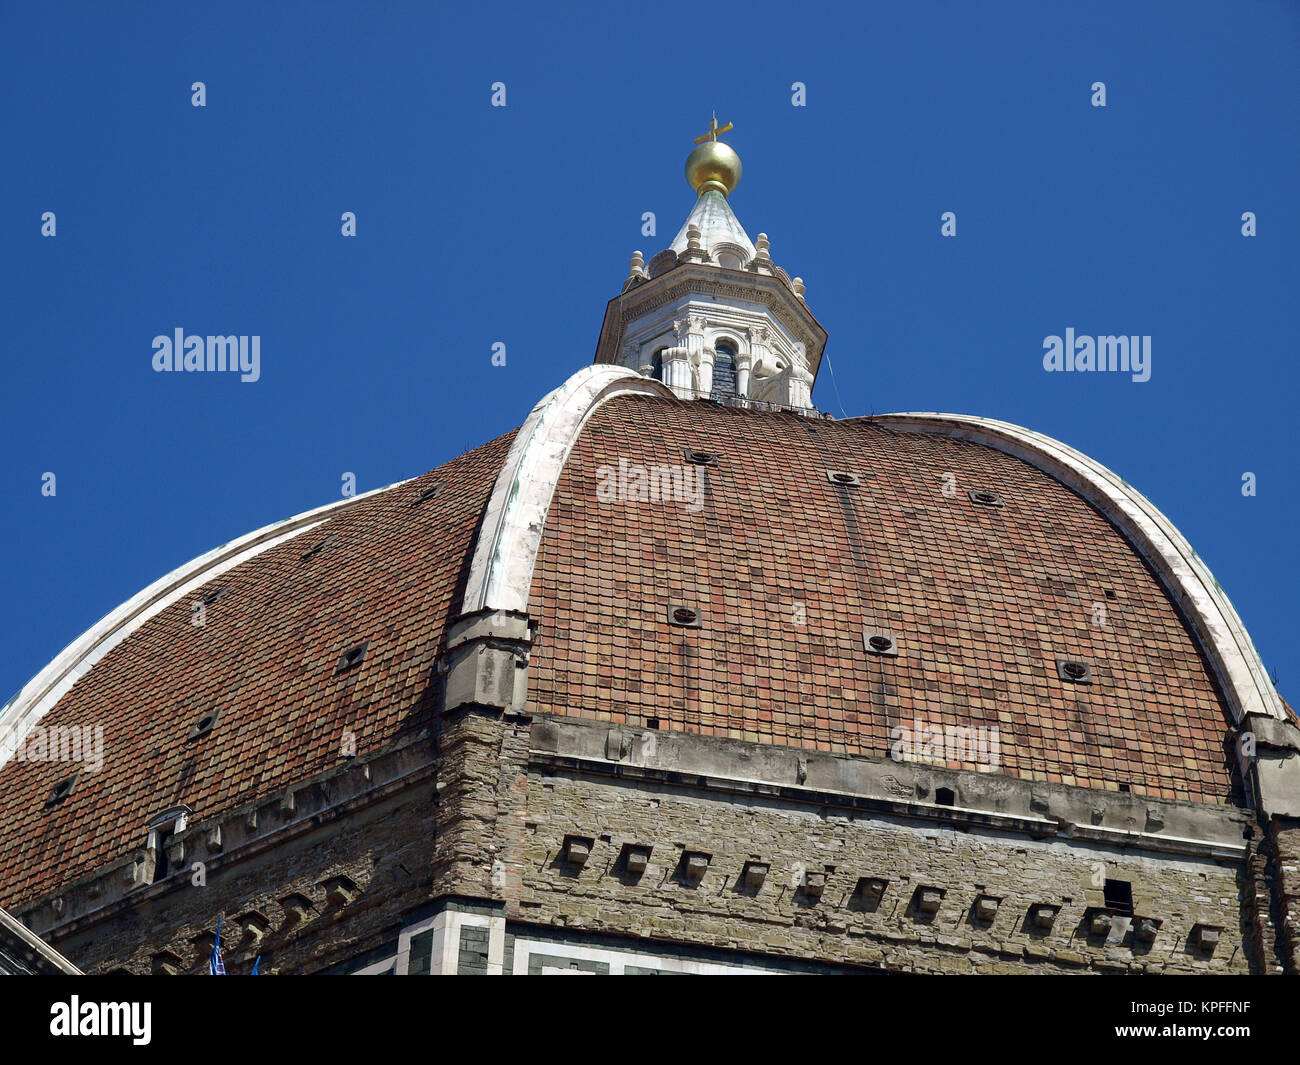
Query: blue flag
x=217 y=967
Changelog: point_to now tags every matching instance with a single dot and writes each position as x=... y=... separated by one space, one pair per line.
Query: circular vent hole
x=684 y=614
x=207 y=722
x=1076 y=669
x=843 y=478
x=985 y=497
x=881 y=643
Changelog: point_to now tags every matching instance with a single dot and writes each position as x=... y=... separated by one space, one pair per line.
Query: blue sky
x=479 y=225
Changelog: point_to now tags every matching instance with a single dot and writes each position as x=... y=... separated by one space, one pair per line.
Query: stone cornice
x=232 y=837
x=719 y=282
x=891 y=788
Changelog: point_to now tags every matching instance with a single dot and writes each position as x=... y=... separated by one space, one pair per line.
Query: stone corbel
x=798 y=386
x=768 y=364
x=485 y=663
x=1274 y=748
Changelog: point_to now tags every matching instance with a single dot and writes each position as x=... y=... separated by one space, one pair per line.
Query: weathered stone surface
x=384 y=851
x=494 y=829
x=791 y=837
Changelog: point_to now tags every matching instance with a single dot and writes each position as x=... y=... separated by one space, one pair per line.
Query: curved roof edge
x=1187 y=579
x=505 y=551
x=24 y=944
x=43 y=692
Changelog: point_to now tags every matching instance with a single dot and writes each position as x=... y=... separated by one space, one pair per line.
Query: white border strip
x=42 y=693
x=1186 y=577
x=619 y=960
x=37 y=945
x=501 y=576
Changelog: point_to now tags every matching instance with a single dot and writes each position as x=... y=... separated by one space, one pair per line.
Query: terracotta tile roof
x=789 y=569
x=390 y=573
x=982 y=600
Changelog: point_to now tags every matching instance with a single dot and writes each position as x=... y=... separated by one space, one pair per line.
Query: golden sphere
x=713 y=165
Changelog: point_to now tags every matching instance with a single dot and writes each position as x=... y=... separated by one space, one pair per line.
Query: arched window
x=724 y=368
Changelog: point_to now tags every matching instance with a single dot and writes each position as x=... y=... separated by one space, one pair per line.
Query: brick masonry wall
x=780 y=919
x=1257 y=903
x=386 y=850
x=1285 y=837
x=493 y=829
x=482 y=791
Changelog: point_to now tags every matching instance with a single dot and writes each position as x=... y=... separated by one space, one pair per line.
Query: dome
x=683 y=624
x=788 y=569
x=281 y=606
x=786 y=565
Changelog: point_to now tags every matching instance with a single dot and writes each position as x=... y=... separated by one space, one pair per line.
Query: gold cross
x=714 y=130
